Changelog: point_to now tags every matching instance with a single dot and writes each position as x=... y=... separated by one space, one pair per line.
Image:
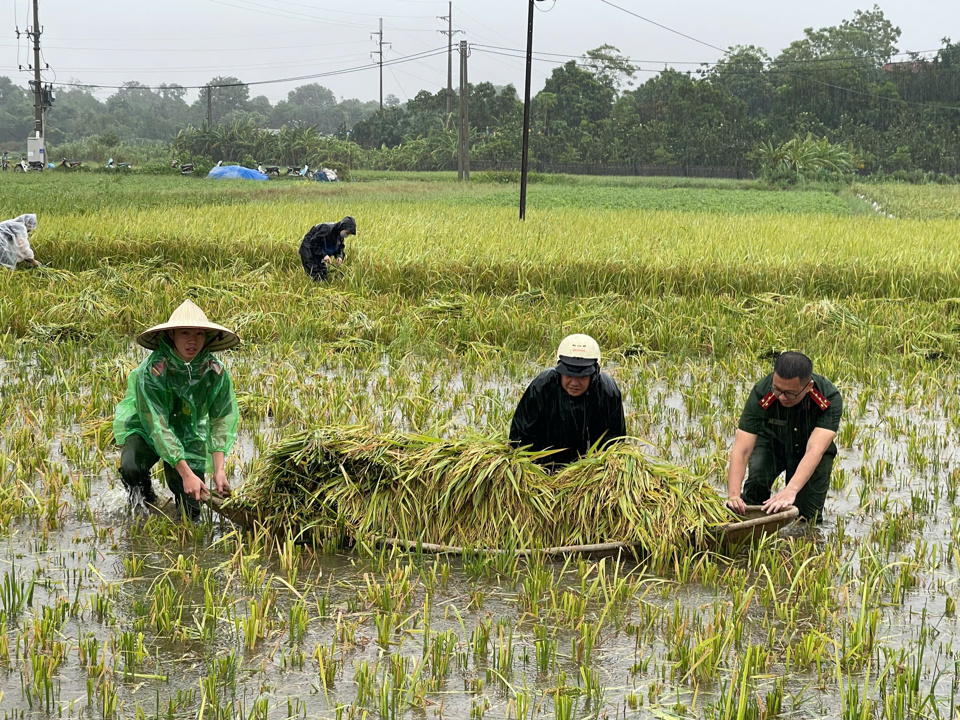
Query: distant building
x=913 y=66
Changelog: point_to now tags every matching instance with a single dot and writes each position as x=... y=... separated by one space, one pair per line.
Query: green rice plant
x=132 y=652
x=327 y=664
x=388 y=623
x=297 y=621
x=480 y=639
x=365 y=679
x=441 y=652
x=504 y=652
x=257 y=622
x=15 y=594
x=389 y=700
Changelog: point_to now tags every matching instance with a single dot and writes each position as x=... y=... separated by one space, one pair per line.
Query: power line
x=659 y=25
x=344 y=71
x=214 y=68
x=160 y=50
x=784 y=70
x=871 y=59
x=806 y=75
x=345 y=12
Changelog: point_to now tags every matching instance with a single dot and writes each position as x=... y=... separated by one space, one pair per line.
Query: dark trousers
x=137 y=459
x=313 y=264
x=316 y=270
x=768 y=461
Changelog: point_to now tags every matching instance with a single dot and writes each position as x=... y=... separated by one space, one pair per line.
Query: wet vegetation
x=441 y=315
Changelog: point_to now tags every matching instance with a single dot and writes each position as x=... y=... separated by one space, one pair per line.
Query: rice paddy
x=445 y=309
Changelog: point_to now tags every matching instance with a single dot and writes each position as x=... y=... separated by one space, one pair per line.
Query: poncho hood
x=29 y=221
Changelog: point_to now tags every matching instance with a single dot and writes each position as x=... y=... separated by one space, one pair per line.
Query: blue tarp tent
x=235 y=172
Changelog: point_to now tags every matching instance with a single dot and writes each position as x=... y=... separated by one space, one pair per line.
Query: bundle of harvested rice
x=473 y=492
x=621 y=493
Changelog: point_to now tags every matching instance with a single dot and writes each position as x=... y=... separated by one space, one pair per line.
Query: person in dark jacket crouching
x=570 y=407
x=323 y=245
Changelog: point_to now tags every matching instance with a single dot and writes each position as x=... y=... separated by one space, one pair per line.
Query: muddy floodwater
x=105 y=613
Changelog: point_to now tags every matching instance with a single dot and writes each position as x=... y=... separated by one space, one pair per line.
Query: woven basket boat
x=755 y=525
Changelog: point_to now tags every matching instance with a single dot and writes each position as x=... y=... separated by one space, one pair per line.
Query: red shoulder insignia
x=819 y=399
x=158 y=368
x=216 y=367
x=767 y=400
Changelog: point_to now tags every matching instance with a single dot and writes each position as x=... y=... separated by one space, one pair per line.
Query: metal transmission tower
x=379 y=53
x=449 y=32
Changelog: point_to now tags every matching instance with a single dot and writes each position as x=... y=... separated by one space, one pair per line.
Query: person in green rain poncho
x=180 y=408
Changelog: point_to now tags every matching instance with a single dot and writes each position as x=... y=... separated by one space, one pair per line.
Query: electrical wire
x=664 y=27
x=288 y=15
x=786 y=71
x=350 y=12
x=312 y=76
x=224 y=68
x=865 y=59
x=166 y=50
x=806 y=77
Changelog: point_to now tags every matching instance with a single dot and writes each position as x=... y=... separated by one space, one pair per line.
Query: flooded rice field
x=108 y=613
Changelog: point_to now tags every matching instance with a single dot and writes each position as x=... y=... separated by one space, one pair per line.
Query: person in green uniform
x=787 y=426
x=180 y=408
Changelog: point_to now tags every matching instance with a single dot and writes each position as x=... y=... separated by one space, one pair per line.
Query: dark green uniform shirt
x=789 y=429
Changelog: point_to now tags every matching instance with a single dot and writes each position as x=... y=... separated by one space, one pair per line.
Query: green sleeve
x=751 y=419
x=224 y=416
x=830 y=418
x=151 y=404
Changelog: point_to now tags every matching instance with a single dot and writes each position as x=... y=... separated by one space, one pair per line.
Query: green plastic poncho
x=186 y=411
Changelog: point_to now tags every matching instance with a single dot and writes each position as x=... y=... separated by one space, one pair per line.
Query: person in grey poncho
x=15 y=241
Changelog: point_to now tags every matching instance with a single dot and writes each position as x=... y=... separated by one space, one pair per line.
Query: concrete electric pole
x=379 y=53
x=449 y=32
x=36 y=153
x=525 y=143
x=463 y=156
x=37 y=87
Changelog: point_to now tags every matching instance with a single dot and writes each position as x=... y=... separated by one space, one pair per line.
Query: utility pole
x=42 y=97
x=209 y=107
x=449 y=32
x=379 y=53
x=525 y=151
x=463 y=156
x=37 y=87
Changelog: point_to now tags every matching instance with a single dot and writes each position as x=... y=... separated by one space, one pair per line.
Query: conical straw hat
x=189 y=315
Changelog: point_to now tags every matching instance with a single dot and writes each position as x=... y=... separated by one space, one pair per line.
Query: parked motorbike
x=118 y=166
x=269 y=169
x=24 y=166
x=185 y=169
x=70 y=164
x=305 y=171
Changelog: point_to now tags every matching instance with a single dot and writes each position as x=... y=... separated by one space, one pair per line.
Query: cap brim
x=576 y=370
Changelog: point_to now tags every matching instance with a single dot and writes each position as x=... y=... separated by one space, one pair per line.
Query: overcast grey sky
x=190 y=41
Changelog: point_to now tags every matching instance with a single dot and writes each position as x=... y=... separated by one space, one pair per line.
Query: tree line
x=845 y=89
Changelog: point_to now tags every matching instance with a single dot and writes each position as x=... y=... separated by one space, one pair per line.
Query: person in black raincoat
x=323 y=245
x=570 y=407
